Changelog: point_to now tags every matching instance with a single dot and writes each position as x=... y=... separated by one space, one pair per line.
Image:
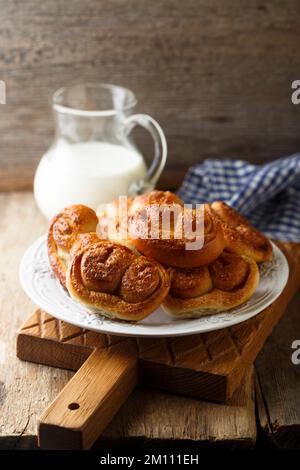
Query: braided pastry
x=226 y=283
x=111 y=279
x=62 y=234
x=240 y=237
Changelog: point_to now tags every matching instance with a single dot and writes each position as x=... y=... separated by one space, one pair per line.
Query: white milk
x=89 y=173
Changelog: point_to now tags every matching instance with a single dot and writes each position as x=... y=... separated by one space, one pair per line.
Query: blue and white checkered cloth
x=268 y=195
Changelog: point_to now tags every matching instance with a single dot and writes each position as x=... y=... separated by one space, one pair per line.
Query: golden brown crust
x=112 y=217
x=113 y=280
x=188 y=283
x=103 y=266
x=240 y=236
x=82 y=240
x=170 y=249
x=233 y=279
x=228 y=272
x=62 y=234
x=140 y=281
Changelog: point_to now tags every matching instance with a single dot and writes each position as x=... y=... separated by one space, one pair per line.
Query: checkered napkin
x=268 y=195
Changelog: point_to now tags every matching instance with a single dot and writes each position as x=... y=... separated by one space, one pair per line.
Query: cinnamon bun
x=199 y=242
x=83 y=240
x=112 y=280
x=226 y=283
x=240 y=236
x=116 y=217
x=62 y=234
x=154 y=197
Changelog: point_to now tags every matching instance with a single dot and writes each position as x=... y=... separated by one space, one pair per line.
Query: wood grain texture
x=27 y=389
x=87 y=404
x=216 y=75
x=279 y=382
x=186 y=421
x=42 y=338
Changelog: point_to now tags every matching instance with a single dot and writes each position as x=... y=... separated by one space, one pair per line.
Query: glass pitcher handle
x=160 y=151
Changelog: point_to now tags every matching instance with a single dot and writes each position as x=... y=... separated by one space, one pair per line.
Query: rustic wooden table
x=149 y=418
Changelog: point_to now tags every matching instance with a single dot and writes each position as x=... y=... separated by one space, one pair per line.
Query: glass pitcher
x=93 y=159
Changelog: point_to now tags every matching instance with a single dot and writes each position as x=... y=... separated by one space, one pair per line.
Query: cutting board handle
x=83 y=409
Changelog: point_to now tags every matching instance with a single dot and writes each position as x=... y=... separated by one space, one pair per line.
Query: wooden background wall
x=216 y=74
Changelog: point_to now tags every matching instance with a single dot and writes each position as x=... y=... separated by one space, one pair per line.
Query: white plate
x=42 y=287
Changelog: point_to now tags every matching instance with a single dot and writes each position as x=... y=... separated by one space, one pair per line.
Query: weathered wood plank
x=279 y=381
x=184 y=419
x=216 y=75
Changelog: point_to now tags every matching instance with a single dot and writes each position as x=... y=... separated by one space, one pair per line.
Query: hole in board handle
x=73 y=406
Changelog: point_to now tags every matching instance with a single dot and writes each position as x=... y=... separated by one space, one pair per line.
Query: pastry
x=112 y=280
x=113 y=222
x=62 y=234
x=194 y=262
x=154 y=197
x=83 y=240
x=193 y=238
x=115 y=218
x=240 y=236
x=226 y=283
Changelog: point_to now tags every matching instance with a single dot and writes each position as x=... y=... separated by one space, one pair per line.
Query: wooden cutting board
x=209 y=366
